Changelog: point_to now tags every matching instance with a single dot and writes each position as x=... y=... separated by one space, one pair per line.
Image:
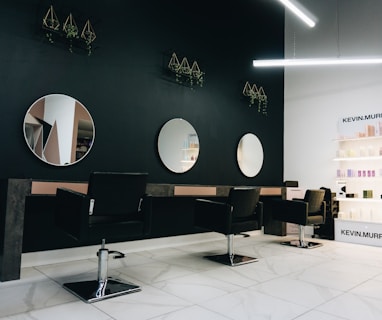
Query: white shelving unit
x=360 y=170
x=190 y=152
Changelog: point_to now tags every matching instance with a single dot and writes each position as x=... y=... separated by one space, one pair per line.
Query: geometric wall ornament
x=69 y=32
x=184 y=73
x=258 y=95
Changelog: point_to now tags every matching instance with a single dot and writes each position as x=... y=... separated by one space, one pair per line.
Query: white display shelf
x=368 y=200
x=359 y=219
x=359 y=169
x=359 y=149
x=360 y=179
x=377 y=223
x=358 y=139
x=360 y=165
x=358 y=158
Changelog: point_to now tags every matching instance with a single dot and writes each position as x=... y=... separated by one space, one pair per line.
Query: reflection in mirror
x=250 y=155
x=59 y=129
x=178 y=145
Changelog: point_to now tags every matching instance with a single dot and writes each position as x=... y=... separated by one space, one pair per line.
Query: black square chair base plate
x=236 y=260
x=305 y=245
x=87 y=290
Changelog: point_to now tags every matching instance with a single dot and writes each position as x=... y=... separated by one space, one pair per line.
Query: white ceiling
x=344 y=27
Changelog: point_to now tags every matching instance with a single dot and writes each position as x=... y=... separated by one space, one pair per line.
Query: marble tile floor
x=333 y=282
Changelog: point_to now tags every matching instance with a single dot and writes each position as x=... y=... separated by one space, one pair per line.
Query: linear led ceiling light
x=314 y=62
x=298 y=12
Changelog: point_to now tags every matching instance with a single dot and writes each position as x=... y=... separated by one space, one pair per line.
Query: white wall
x=316 y=97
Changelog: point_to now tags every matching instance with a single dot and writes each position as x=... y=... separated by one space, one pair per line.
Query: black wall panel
x=125 y=88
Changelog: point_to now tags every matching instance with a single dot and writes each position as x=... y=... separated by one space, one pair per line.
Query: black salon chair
x=242 y=212
x=326 y=230
x=115 y=208
x=308 y=211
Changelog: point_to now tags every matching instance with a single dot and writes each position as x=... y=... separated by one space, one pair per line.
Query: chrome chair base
x=302 y=244
x=93 y=291
x=231 y=260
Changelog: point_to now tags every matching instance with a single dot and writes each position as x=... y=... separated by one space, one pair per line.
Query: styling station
x=199 y=160
x=117 y=206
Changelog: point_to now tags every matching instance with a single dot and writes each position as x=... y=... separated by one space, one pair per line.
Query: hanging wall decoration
x=69 y=31
x=184 y=74
x=256 y=95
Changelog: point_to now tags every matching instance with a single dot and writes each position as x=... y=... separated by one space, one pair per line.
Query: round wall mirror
x=250 y=155
x=178 y=145
x=59 y=129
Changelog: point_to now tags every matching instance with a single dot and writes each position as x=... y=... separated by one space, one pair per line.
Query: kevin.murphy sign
x=359 y=126
x=369 y=233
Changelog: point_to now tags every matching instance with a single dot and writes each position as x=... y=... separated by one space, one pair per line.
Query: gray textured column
x=13 y=193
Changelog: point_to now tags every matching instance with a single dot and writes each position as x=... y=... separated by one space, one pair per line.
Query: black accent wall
x=125 y=89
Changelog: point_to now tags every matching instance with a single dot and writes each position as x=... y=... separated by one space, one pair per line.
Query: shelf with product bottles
x=190 y=155
x=359 y=179
x=190 y=150
x=359 y=173
x=363 y=188
x=359 y=157
x=360 y=200
x=82 y=147
x=359 y=220
x=359 y=149
x=360 y=210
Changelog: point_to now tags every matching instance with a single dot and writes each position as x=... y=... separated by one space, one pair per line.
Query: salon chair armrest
x=213 y=215
x=72 y=212
x=259 y=213
x=293 y=211
x=146 y=210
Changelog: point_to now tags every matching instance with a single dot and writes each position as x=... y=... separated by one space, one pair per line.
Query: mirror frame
x=59 y=130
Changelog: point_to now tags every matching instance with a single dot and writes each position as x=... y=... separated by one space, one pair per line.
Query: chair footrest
x=302 y=244
x=232 y=261
x=90 y=291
